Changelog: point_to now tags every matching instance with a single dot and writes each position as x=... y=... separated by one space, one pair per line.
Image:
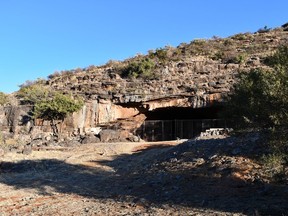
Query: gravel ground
x=211 y=176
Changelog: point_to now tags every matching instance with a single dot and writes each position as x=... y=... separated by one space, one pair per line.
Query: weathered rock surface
x=201 y=74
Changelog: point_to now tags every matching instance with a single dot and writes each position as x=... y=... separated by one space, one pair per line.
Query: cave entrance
x=179 y=123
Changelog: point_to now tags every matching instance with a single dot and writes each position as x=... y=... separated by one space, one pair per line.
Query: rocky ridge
x=205 y=69
x=194 y=75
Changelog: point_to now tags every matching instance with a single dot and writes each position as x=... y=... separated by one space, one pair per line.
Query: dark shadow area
x=171 y=113
x=161 y=130
x=160 y=177
x=172 y=123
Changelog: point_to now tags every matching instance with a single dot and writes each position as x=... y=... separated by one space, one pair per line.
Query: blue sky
x=39 y=37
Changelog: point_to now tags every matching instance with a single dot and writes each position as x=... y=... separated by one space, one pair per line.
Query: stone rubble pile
x=215 y=132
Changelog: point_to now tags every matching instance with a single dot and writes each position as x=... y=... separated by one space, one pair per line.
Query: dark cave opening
x=173 y=123
x=171 y=113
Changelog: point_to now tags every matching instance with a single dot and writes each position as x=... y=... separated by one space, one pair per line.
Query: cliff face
x=195 y=75
x=198 y=78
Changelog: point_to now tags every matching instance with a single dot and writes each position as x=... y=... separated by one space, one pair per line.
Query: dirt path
x=125 y=179
x=77 y=181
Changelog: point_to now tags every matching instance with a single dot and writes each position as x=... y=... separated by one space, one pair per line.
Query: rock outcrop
x=195 y=75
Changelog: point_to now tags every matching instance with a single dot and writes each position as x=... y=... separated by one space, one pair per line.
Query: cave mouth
x=173 y=123
x=172 y=113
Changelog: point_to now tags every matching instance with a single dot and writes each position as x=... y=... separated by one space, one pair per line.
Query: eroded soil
x=198 y=177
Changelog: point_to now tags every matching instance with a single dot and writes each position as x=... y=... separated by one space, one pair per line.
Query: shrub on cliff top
x=33 y=93
x=3 y=99
x=139 y=69
x=160 y=54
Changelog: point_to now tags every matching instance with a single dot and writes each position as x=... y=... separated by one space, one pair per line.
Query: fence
x=159 y=130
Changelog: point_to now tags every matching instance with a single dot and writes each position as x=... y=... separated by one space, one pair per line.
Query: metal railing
x=160 y=130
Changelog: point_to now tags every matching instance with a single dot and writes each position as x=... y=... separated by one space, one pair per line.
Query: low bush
x=3 y=98
x=274 y=166
x=160 y=54
x=30 y=94
x=139 y=69
x=260 y=101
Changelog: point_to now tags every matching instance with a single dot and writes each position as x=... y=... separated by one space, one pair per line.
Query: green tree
x=48 y=104
x=260 y=100
x=279 y=60
x=254 y=100
x=33 y=93
x=57 y=107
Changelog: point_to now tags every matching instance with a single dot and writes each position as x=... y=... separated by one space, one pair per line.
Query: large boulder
x=109 y=135
x=90 y=138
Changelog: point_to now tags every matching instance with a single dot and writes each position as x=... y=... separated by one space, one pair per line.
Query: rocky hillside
x=122 y=94
x=203 y=69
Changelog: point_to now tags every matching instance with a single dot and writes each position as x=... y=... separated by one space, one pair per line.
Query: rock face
x=195 y=75
x=196 y=82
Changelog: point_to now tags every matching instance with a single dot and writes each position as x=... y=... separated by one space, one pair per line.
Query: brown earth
x=197 y=177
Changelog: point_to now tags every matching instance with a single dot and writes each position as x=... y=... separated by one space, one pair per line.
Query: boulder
x=109 y=135
x=27 y=150
x=90 y=138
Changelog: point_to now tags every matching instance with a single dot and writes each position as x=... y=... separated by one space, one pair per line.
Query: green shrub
x=260 y=101
x=33 y=93
x=228 y=57
x=199 y=42
x=48 y=104
x=160 y=54
x=228 y=42
x=279 y=61
x=218 y=55
x=274 y=165
x=261 y=96
x=3 y=99
x=241 y=58
x=239 y=36
x=139 y=69
x=57 y=107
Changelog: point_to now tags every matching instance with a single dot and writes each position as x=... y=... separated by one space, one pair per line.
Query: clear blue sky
x=38 y=37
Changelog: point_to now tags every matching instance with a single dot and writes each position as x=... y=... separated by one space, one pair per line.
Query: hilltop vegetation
x=3 y=98
x=235 y=49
